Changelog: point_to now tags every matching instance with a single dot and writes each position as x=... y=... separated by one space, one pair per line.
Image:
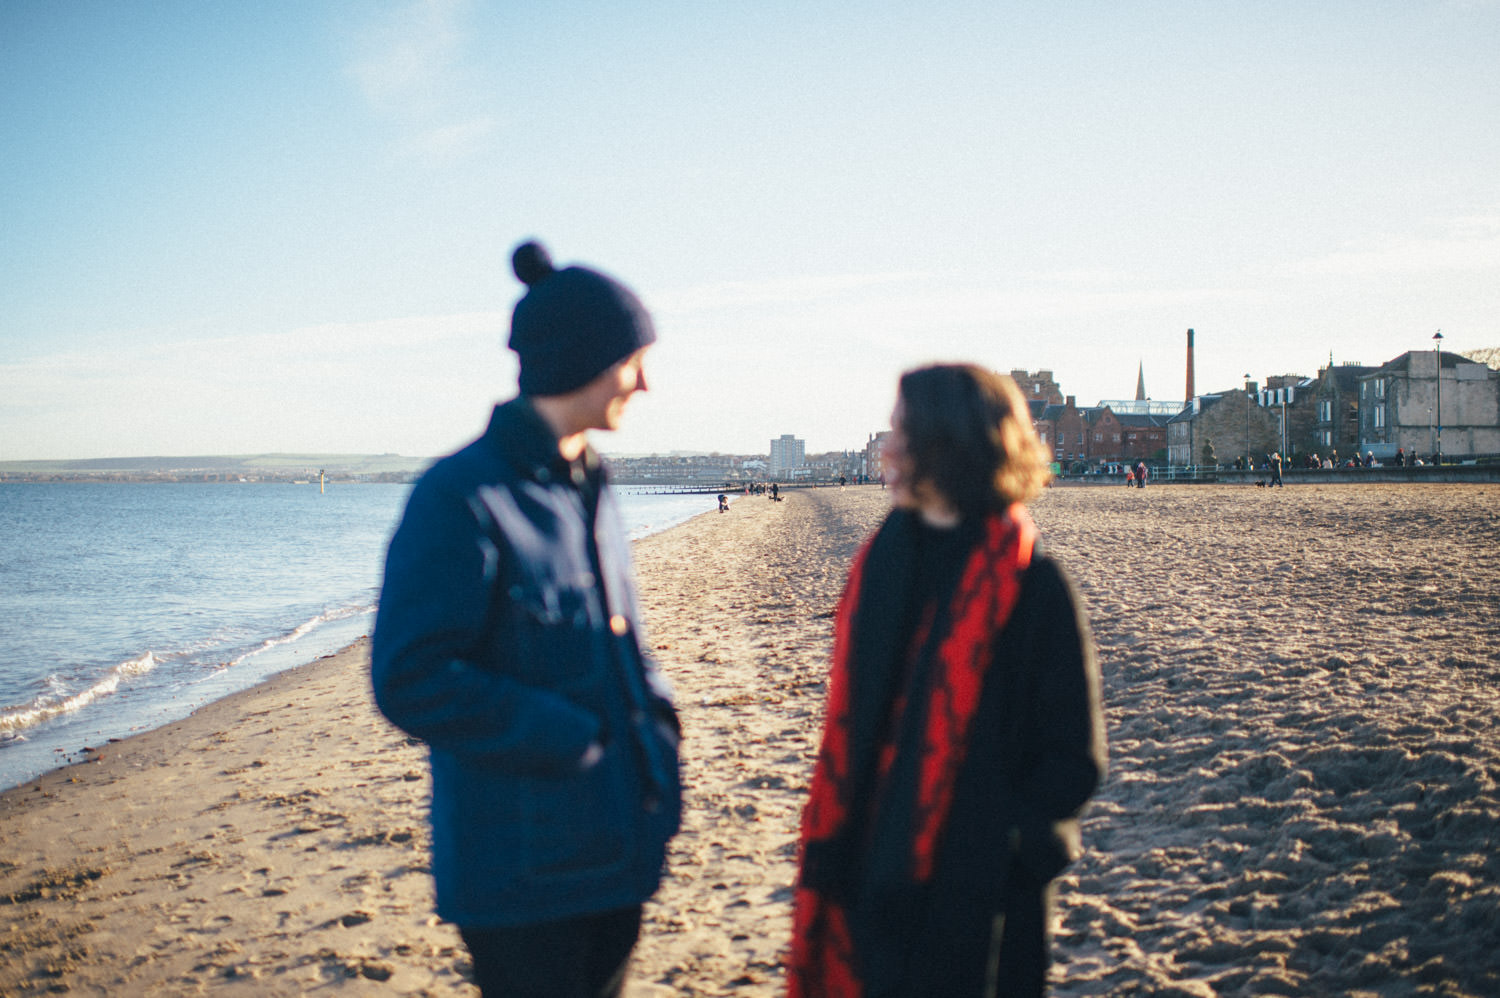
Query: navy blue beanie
x=572 y=324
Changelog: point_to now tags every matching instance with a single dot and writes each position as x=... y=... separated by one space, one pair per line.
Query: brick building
x=1112 y=432
x=1062 y=428
x=1037 y=386
x=1104 y=435
x=1143 y=430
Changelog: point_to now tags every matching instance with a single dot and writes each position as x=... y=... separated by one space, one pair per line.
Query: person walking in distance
x=509 y=640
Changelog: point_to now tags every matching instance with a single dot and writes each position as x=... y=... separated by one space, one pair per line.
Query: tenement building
x=1226 y=427
x=1405 y=403
x=875 y=456
x=1337 y=394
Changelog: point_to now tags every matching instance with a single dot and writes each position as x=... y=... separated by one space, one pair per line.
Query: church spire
x=1140 y=383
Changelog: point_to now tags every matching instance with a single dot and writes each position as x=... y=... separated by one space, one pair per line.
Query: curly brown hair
x=969 y=434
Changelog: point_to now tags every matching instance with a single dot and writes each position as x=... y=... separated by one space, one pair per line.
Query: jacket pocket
x=577 y=825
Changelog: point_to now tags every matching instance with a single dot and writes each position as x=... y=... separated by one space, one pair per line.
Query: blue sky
x=285 y=226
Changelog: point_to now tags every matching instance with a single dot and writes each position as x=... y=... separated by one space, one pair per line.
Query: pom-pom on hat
x=572 y=324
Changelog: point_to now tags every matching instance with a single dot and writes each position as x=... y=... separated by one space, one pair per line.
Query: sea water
x=125 y=606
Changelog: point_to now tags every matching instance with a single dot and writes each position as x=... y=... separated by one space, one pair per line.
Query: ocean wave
x=54 y=704
x=304 y=629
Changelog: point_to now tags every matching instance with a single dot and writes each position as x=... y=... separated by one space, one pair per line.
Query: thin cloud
x=407 y=385
x=411 y=68
x=407 y=59
x=448 y=143
x=778 y=293
x=900 y=302
x=1466 y=244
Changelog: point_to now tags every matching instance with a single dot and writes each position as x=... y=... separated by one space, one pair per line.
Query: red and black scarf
x=898 y=715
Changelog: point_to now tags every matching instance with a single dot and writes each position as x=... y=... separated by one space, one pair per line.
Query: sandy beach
x=1302 y=689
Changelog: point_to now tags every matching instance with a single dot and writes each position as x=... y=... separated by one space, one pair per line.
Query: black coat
x=1035 y=755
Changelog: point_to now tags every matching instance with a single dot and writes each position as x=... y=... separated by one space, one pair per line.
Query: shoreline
x=148 y=682
x=272 y=841
x=1303 y=698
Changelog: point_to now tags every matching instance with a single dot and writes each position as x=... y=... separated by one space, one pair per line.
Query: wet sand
x=1301 y=688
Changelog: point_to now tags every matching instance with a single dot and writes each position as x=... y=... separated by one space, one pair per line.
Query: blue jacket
x=508 y=639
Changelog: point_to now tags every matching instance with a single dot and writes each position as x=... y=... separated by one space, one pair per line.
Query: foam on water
x=226 y=585
x=56 y=701
x=342 y=613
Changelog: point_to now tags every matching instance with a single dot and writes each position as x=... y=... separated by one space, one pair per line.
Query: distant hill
x=243 y=464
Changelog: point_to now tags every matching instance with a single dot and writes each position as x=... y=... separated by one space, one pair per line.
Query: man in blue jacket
x=508 y=639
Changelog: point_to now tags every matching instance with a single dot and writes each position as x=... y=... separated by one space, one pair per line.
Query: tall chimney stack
x=1190 y=392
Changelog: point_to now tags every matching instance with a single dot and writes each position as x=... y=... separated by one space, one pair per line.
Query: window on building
x=1098 y=438
x=1380 y=389
x=1327 y=438
x=1379 y=416
x=1325 y=413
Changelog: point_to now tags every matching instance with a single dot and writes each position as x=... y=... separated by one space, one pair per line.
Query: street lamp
x=1284 y=455
x=1437 y=349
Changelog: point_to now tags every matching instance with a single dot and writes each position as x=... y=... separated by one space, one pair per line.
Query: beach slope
x=1301 y=689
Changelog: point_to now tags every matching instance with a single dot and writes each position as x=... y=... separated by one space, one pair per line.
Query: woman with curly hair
x=963 y=732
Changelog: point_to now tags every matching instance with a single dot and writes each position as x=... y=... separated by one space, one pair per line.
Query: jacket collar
x=519 y=434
